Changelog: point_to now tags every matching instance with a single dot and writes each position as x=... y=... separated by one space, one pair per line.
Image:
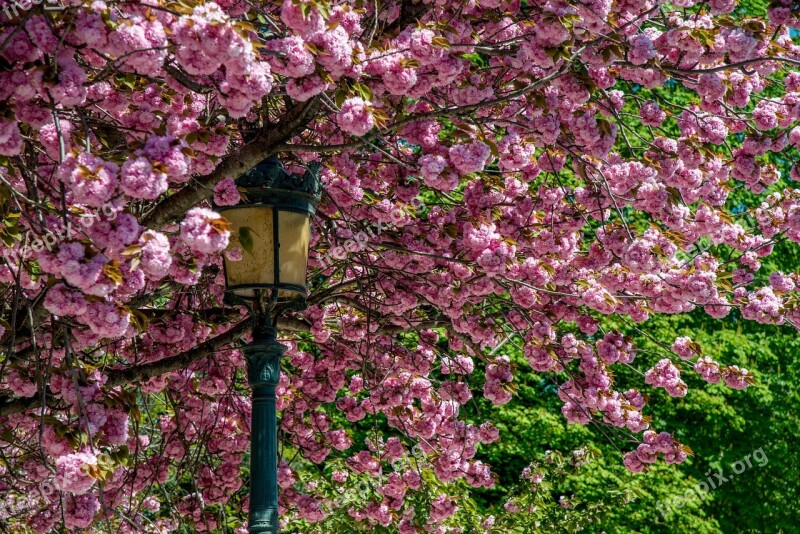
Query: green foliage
x=532 y=423
x=724 y=426
x=721 y=425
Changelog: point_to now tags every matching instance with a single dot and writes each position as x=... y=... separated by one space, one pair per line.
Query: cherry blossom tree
x=497 y=174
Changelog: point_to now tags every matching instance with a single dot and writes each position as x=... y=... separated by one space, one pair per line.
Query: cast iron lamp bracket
x=265 y=310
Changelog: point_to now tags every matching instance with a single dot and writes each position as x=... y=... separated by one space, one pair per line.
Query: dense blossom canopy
x=497 y=173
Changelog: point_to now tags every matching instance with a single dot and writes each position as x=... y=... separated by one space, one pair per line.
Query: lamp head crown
x=270 y=183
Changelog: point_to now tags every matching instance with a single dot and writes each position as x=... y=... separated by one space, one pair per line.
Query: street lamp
x=273 y=226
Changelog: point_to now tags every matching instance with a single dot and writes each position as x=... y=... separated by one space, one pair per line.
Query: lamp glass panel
x=257 y=267
x=294 y=232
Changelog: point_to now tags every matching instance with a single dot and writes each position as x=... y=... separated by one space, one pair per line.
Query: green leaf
x=340 y=97
x=122 y=456
x=246 y=239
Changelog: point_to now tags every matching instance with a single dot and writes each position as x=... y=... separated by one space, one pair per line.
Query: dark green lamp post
x=273 y=224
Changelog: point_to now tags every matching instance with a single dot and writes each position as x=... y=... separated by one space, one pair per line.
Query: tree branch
x=233 y=165
x=11 y=405
x=180 y=361
x=410 y=10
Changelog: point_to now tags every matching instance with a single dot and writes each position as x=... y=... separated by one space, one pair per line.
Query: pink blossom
x=685 y=348
x=70 y=89
x=140 y=180
x=722 y=6
x=234 y=253
x=469 y=158
x=86 y=273
x=155 y=258
x=651 y=113
x=423 y=49
x=765 y=115
x=458 y=365
x=226 y=193
x=736 y=377
x=642 y=49
x=763 y=306
x=71 y=472
x=488 y=433
x=205 y=231
x=354 y=117
x=442 y=507
x=175 y=449
x=140 y=46
x=431 y=166
x=92 y=181
x=708 y=369
x=781 y=282
x=399 y=79
x=298 y=61
x=106 y=319
x=115 y=428
x=587 y=324
x=168 y=154
x=336 y=51
x=64 y=302
x=19 y=385
x=306 y=88
x=511 y=507
x=114 y=233
x=80 y=510
x=305 y=25
x=666 y=375
x=10 y=138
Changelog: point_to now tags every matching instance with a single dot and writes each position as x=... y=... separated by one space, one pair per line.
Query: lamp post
x=273 y=224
